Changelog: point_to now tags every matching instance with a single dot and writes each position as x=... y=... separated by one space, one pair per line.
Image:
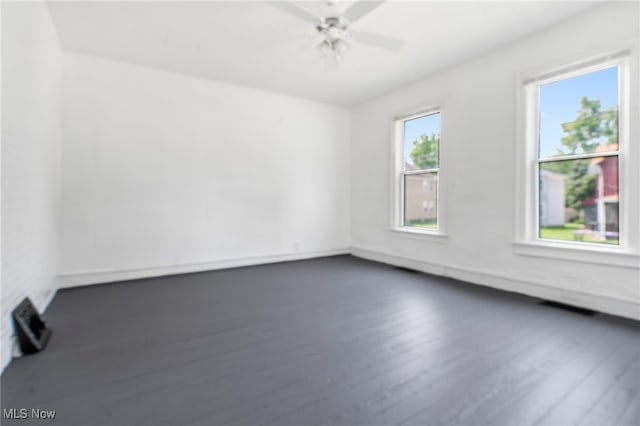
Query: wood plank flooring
x=332 y=341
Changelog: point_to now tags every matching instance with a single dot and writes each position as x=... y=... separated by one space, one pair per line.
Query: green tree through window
x=583 y=135
x=425 y=152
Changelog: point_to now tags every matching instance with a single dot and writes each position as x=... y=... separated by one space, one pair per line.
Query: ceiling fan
x=333 y=26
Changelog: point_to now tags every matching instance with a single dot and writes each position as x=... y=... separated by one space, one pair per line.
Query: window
x=578 y=157
x=418 y=173
x=577 y=163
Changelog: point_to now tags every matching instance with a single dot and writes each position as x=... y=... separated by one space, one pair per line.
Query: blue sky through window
x=425 y=125
x=560 y=102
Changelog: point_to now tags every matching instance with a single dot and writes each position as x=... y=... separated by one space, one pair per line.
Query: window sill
x=424 y=235
x=609 y=256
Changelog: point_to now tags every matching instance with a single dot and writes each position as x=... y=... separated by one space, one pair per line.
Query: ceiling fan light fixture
x=333 y=49
x=325 y=48
x=340 y=47
x=334 y=33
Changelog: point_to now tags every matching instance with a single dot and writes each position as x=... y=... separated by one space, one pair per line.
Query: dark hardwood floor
x=320 y=342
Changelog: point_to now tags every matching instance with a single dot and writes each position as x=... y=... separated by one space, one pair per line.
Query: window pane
x=421 y=200
x=579 y=115
x=579 y=200
x=421 y=142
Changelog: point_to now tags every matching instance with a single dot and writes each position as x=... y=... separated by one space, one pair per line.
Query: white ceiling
x=258 y=45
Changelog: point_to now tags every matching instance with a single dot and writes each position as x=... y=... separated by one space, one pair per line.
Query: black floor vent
x=402 y=268
x=574 y=309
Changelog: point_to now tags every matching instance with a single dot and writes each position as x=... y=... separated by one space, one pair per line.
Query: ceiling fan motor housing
x=334 y=28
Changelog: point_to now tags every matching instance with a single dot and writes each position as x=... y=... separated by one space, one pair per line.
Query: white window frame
x=527 y=241
x=398 y=174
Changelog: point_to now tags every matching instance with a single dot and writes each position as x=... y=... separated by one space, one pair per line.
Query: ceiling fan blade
x=296 y=10
x=360 y=9
x=378 y=40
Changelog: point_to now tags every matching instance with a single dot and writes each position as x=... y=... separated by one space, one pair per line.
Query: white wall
x=166 y=173
x=479 y=174
x=31 y=143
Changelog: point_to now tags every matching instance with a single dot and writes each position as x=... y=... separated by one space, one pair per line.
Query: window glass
x=421 y=200
x=579 y=200
x=578 y=195
x=421 y=143
x=579 y=115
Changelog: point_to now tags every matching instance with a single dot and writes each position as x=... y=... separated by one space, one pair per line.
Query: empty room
x=292 y=213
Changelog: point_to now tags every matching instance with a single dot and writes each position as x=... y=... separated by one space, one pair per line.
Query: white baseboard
x=82 y=278
x=598 y=302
